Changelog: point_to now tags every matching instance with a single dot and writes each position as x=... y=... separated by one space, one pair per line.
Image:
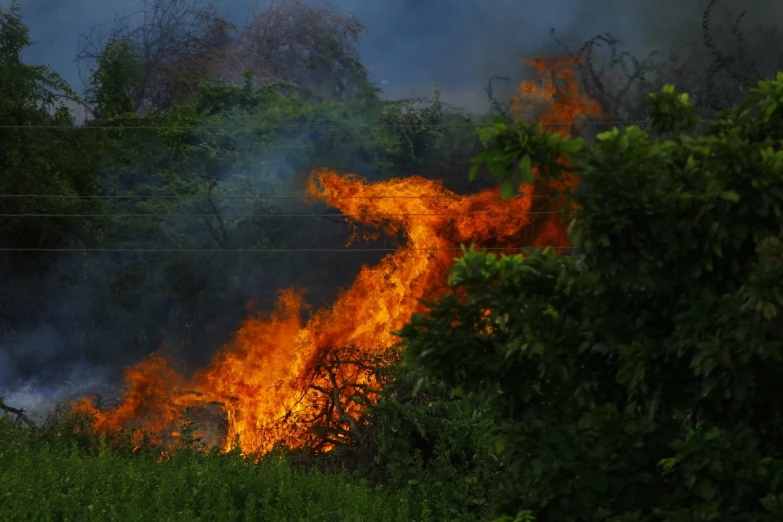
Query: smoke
x=93 y=315
x=39 y=348
x=409 y=46
x=35 y=373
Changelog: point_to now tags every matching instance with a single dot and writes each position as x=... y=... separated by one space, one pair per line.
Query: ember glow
x=262 y=381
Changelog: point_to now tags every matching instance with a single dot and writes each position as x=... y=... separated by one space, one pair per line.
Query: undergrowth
x=57 y=480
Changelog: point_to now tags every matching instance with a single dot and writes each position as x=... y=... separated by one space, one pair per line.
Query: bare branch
x=20 y=414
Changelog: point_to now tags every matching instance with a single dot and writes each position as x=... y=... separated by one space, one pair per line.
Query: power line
x=474 y=197
x=272 y=250
x=277 y=215
x=335 y=126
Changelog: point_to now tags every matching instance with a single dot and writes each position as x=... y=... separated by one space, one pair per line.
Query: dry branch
x=20 y=414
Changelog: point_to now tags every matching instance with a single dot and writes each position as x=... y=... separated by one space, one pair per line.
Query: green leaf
x=474 y=172
x=572 y=146
x=525 y=172
x=417 y=386
x=496 y=168
x=712 y=434
x=730 y=195
x=507 y=188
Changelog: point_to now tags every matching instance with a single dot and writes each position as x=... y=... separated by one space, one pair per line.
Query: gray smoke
x=409 y=46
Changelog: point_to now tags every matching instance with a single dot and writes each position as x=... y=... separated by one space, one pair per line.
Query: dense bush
x=638 y=379
x=431 y=444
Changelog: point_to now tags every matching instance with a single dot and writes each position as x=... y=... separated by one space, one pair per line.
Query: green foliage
x=513 y=155
x=57 y=482
x=417 y=129
x=116 y=81
x=187 y=432
x=36 y=155
x=416 y=437
x=429 y=442
x=671 y=112
x=639 y=378
x=32 y=90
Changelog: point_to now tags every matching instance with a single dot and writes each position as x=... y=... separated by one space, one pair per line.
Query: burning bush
x=266 y=381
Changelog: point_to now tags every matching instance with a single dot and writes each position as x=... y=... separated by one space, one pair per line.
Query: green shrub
x=432 y=443
x=639 y=379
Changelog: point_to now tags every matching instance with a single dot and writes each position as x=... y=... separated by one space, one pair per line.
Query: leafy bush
x=638 y=379
x=431 y=443
x=428 y=444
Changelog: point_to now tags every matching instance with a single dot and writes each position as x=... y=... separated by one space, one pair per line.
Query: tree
x=41 y=157
x=116 y=82
x=30 y=94
x=37 y=154
x=179 y=43
x=638 y=379
x=162 y=33
x=311 y=44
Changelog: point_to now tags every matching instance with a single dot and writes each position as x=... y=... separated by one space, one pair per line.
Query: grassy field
x=42 y=480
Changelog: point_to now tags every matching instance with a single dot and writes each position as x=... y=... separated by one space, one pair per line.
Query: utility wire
x=272 y=250
x=474 y=197
x=274 y=215
x=335 y=126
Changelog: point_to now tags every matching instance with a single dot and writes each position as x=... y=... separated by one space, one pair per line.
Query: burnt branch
x=219 y=234
x=503 y=111
x=19 y=412
x=182 y=43
x=344 y=383
x=700 y=65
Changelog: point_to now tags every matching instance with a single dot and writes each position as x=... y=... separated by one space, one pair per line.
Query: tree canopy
x=637 y=379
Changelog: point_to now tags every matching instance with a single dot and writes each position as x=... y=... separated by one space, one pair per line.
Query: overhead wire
x=325 y=126
x=281 y=250
x=232 y=196
x=227 y=127
x=456 y=214
x=258 y=197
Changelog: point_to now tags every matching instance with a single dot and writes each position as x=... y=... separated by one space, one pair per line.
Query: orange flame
x=558 y=103
x=260 y=380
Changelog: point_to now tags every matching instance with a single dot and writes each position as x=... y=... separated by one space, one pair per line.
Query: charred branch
x=489 y=89
x=19 y=412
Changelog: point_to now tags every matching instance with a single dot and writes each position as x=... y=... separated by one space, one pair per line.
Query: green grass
x=59 y=482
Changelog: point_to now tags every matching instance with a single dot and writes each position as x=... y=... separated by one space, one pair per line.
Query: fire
x=263 y=380
x=557 y=102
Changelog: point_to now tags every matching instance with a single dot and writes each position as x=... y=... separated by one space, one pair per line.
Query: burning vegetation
x=306 y=382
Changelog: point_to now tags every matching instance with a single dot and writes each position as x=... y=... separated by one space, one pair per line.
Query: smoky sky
x=410 y=45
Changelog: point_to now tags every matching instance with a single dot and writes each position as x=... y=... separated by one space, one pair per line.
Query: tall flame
x=260 y=379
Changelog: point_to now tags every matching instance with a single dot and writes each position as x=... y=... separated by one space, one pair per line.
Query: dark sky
x=412 y=44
